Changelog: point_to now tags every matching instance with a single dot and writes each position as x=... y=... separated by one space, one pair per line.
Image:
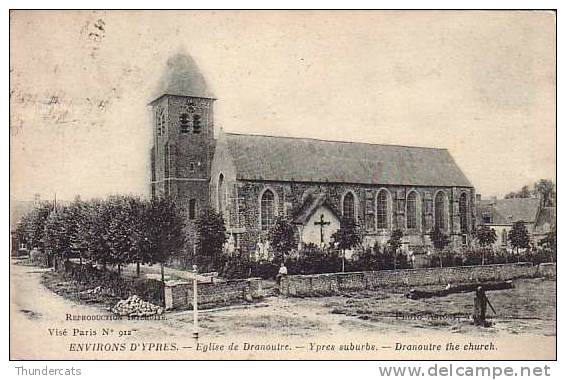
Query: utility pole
x=195 y=303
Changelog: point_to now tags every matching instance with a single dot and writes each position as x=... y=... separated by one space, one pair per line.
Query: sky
x=480 y=84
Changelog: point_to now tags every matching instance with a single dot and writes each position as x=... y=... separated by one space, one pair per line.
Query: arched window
x=221 y=193
x=267 y=206
x=349 y=207
x=463 y=212
x=192 y=208
x=382 y=209
x=440 y=211
x=412 y=211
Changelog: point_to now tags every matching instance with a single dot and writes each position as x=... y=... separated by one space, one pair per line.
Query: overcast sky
x=481 y=84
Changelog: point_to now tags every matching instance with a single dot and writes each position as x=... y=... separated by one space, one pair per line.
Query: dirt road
x=314 y=328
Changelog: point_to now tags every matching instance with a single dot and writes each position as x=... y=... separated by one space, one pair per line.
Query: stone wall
x=332 y=283
x=289 y=197
x=179 y=294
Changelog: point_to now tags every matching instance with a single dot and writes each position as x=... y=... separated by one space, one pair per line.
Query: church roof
x=271 y=158
x=182 y=77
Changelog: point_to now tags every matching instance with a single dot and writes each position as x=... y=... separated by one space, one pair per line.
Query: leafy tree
x=211 y=236
x=486 y=236
x=519 y=236
x=346 y=237
x=94 y=231
x=30 y=229
x=546 y=190
x=57 y=233
x=127 y=234
x=525 y=192
x=282 y=238
x=439 y=239
x=164 y=225
x=394 y=243
x=549 y=241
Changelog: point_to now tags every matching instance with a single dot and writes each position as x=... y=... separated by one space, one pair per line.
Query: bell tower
x=183 y=137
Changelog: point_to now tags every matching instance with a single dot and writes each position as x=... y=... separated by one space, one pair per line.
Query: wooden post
x=162 y=273
x=195 y=303
x=138 y=269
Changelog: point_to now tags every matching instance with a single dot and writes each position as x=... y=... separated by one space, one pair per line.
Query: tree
x=129 y=228
x=211 y=236
x=165 y=236
x=30 y=229
x=394 y=244
x=346 y=237
x=439 y=240
x=519 y=236
x=525 y=192
x=282 y=238
x=548 y=243
x=546 y=191
x=486 y=238
x=57 y=233
x=549 y=240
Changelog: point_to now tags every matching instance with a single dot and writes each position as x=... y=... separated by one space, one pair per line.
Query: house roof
x=509 y=211
x=272 y=158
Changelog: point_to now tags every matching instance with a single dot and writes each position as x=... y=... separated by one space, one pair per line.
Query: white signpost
x=195 y=304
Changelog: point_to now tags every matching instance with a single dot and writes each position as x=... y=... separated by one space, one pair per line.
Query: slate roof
x=509 y=211
x=272 y=158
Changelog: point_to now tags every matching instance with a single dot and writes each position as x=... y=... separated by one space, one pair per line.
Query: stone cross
x=322 y=223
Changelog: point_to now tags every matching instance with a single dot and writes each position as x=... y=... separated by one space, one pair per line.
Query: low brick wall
x=332 y=283
x=179 y=294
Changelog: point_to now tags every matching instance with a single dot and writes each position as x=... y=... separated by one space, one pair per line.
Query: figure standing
x=282 y=272
x=480 y=306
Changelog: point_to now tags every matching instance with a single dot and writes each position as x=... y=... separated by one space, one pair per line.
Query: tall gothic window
x=382 y=210
x=267 y=210
x=412 y=211
x=221 y=193
x=440 y=211
x=349 y=207
x=464 y=212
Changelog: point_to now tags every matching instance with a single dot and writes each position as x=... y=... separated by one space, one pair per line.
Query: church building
x=315 y=184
